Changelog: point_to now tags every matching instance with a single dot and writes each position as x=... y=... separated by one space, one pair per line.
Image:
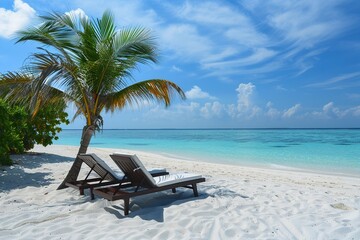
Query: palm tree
x=90 y=66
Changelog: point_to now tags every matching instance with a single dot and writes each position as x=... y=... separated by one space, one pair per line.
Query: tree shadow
x=23 y=173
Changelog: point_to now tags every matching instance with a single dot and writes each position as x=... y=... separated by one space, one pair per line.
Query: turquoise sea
x=320 y=150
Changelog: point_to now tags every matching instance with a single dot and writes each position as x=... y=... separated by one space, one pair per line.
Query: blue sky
x=245 y=63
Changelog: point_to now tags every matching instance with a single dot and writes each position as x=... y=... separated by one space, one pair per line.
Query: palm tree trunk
x=73 y=173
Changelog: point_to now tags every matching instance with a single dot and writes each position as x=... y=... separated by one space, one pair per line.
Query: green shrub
x=20 y=131
x=44 y=127
x=8 y=136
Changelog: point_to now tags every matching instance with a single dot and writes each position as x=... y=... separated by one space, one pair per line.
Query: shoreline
x=259 y=166
x=269 y=166
x=327 y=152
x=235 y=202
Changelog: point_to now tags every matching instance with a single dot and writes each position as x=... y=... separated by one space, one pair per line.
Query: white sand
x=234 y=203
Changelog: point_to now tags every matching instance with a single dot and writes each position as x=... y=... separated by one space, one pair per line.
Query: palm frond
x=29 y=91
x=79 y=111
x=150 y=90
x=58 y=31
x=105 y=28
x=47 y=95
x=14 y=86
x=135 y=45
x=14 y=78
x=90 y=66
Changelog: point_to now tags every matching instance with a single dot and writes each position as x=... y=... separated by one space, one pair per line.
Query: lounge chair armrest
x=157 y=174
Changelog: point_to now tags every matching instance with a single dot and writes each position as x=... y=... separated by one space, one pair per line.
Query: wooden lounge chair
x=138 y=181
x=105 y=175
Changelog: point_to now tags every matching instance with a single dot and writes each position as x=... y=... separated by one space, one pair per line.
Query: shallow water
x=325 y=150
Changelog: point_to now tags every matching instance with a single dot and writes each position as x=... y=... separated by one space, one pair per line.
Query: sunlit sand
x=235 y=203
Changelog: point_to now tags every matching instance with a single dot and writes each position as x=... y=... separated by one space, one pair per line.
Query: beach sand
x=235 y=203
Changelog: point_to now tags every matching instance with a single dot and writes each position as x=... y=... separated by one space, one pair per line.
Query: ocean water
x=320 y=150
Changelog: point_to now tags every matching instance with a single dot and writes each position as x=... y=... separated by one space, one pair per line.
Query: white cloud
x=299 y=27
x=272 y=112
x=269 y=104
x=226 y=39
x=247 y=36
x=291 y=111
x=211 y=13
x=262 y=69
x=324 y=114
x=133 y=13
x=18 y=19
x=245 y=110
x=228 y=51
x=255 y=111
x=328 y=107
x=196 y=93
x=245 y=107
x=78 y=12
x=337 y=79
x=212 y=33
x=330 y=111
x=322 y=21
x=186 y=41
x=244 y=97
x=176 y=69
x=212 y=109
x=234 y=24
x=192 y=107
x=280 y=88
x=231 y=110
x=355 y=111
x=258 y=55
x=179 y=111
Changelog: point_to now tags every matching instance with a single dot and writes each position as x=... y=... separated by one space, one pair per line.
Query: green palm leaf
x=87 y=62
x=150 y=90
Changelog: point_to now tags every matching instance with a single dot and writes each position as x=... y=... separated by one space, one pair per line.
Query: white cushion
x=161 y=180
x=174 y=178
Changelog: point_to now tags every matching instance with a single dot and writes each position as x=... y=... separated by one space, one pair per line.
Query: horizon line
x=259 y=128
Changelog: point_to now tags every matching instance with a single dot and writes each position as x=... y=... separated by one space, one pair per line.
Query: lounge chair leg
x=196 y=194
x=126 y=206
x=92 y=193
x=174 y=190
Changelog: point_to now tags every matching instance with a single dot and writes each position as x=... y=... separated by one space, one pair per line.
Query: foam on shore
x=235 y=203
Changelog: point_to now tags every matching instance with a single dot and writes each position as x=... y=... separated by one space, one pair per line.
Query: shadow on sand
x=23 y=174
x=151 y=206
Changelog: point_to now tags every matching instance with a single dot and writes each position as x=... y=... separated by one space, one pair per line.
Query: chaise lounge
x=105 y=175
x=138 y=181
